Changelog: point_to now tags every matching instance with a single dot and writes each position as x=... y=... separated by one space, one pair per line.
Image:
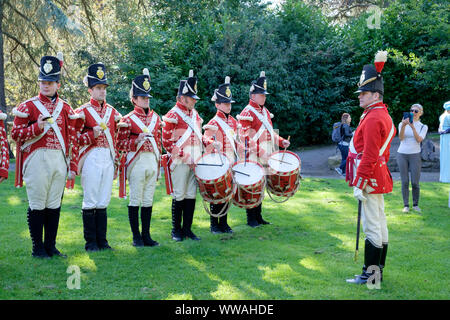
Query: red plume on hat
x=380 y=59
x=60 y=57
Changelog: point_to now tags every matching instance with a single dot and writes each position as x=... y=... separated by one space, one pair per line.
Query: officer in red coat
x=367 y=170
x=221 y=135
x=257 y=130
x=4 y=152
x=46 y=155
x=182 y=139
x=139 y=140
x=98 y=157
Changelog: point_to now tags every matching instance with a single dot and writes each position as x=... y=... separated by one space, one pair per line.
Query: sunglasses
x=414 y=110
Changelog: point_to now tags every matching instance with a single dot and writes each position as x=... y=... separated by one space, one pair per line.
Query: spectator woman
x=409 y=159
x=346 y=134
x=444 y=131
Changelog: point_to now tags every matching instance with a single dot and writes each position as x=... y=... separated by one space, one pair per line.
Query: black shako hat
x=96 y=75
x=223 y=93
x=371 y=78
x=260 y=85
x=189 y=87
x=141 y=85
x=50 y=68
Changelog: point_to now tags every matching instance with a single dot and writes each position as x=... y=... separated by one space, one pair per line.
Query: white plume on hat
x=145 y=72
x=227 y=79
x=191 y=73
x=262 y=74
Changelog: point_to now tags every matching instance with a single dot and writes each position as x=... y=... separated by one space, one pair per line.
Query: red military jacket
x=374 y=130
x=86 y=138
x=126 y=140
x=213 y=128
x=251 y=126
x=25 y=128
x=174 y=129
x=4 y=152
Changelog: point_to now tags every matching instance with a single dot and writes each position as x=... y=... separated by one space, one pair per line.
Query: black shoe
x=35 y=220
x=223 y=224
x=188 y=216
x=214 y=228
x=146 y=218
x=133 y=217
x=101 y=222
x=258 y=215
x=251 y=218
x=51 y=223
x=177 y=212
x=372 y=256
x=90 y=235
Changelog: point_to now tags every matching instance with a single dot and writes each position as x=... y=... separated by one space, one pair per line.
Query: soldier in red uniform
x=139 y=139
x=182 y=139
x=221 y=135
x=262 y=140
x=4 y=152
x=367 y=170
x=45 y=134
x=98 y=157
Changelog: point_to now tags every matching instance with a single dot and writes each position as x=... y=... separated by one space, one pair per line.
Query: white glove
x=358 y=194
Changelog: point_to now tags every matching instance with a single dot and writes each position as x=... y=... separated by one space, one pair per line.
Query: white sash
x=150 y=129
x=227 y=129
x=54 y=125
x=191 y=122
x=263 y=119
x=104 y=121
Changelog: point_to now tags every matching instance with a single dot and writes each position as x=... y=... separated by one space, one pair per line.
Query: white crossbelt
x=146 y=129
x=53 y=124
x=229 y=133
x=191 y=122
x=263 y=119
x=104 y=121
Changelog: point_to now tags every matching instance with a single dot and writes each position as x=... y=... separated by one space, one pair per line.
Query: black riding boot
x=133 y=217
x=251 y=217
x=146 y=218
x=101 y=222
x=383 y=259
x=223 y=224
x=177 y=212
x=188 y=217
x=214 y=228
x=35 y=220
x=258 y=215
x=89 y=230
x=372 y=257
x=51 y=223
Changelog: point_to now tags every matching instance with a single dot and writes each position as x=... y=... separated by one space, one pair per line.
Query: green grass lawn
x=307 y=253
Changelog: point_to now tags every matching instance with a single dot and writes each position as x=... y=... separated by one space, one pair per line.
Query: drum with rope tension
x=250 y=180
x=283 y=176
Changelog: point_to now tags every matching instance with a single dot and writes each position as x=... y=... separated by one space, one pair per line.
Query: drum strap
x=191 y=126
x=150 y=129
x=263 y=119
x=229 y=132
x=104 y=121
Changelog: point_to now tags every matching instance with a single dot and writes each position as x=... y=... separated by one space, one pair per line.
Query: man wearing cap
x=367 y=170
x=4 y=151
x=139 y=139
x=98 y=157
x=221 y=135
x=257 y=130
x=182 y=139
x=44 y=129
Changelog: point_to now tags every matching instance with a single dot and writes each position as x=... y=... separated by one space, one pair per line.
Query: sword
x=358 y=229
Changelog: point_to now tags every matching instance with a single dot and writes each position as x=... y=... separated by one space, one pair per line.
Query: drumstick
x=210 y=164
x=282 y=161
x=245 y=174
x=221 y=161
x=245 y=152
x=282 y=157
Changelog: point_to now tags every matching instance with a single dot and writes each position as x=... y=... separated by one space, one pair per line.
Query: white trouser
x=267 y=148
x=374 y=220
x=184 y=182
x=44 y=173
x=142 y=179
x=97 y=177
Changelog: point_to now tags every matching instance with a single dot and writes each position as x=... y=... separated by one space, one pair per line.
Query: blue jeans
x=344 y=154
